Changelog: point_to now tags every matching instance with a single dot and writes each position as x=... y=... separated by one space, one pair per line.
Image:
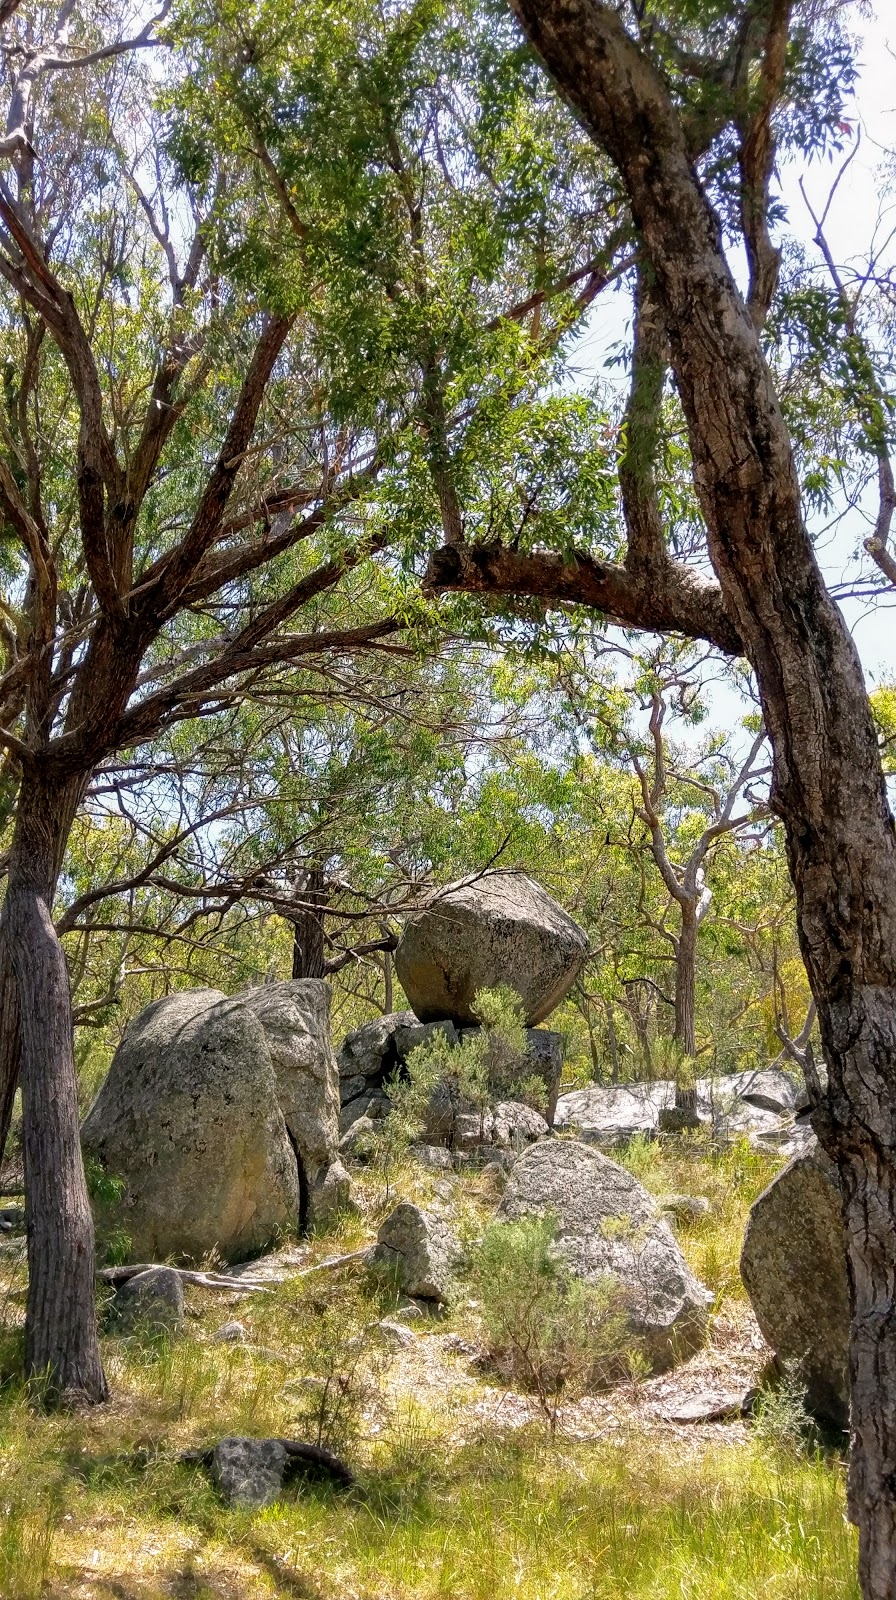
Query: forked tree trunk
x=61 y=1343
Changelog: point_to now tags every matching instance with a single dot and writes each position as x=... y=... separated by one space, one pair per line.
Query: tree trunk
x=685 y=1035
x=308 y=928
x=10 y=1046
x=61 y=1344
x=827 y=784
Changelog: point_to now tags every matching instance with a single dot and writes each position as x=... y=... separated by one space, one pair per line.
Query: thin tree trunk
x=685 y=1035
x=388 y=983
x=61 y=1343
x=308 y=928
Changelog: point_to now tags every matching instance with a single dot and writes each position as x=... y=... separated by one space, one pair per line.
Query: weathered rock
x=607 y=1223
x=355 y=1142
x=711 y=1405
x=608 y=1114
x=295 y=1017
x=231 y=1333
x=684 y=1207
x=396 y=1333
x=331 y=1194
x=221 y=1118
x=434 y=1156
x=370 y=1053
x=189 y=1119
x=499 y=928
x=152 y=1300
x=421 y=1249
x=514 y=1125
x=249 y=1472
x=759 y=1104
x=794 y=1269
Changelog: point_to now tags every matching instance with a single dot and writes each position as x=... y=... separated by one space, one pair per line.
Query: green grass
x=98 y=1506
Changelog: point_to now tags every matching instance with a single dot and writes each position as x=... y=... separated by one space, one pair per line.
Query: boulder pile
x=499 y=929
x=218 y=1121
x=766 y=1105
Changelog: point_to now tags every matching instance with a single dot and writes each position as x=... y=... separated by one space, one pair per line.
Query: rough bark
x=827 y=782
x=308 y=928
x=61 y=1344
x=686 y=983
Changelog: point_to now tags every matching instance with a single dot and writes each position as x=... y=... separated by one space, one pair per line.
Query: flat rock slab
x=498 y=928
x=710 y=1406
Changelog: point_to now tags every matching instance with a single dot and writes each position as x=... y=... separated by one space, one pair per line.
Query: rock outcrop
x=371 y=1055
x=764 y=1105
x=219 y=1117
x=607 y=1224
x=499 y=928
x=794 y=1269
x=422 y=1251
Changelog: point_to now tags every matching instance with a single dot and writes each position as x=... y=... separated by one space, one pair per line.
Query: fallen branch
x=206 y=1280
x=335 y=1261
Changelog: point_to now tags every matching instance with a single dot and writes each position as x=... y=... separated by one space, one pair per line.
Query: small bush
x=780 y=1418
x=547 y=1329
x=346 y=1361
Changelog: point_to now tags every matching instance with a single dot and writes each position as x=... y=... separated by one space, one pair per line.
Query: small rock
x=355 y=1141
x=12 y=1219
x=231 y=1333
x=410 y=1312
x=397 y=1332
x=331 y=1194
x=421 y=1249
x=684 y=1207
x=249 y=1472
x=433 y=1155
x=153 y=1300
x=495 y=1175
x=443 y=1190
x=709 y=1406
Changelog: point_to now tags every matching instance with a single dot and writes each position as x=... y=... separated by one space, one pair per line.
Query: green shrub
x=548 y=1330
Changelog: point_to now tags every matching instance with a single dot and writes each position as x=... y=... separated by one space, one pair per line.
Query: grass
x=98 y=1506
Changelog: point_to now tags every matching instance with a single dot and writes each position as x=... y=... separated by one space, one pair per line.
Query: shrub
x=548 y=1330
x=483 y=1068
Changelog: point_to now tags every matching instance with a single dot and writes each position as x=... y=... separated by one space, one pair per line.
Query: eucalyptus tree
x=690 y=105
x=272 y=298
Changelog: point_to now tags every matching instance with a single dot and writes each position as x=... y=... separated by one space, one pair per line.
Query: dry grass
x=461 y=1495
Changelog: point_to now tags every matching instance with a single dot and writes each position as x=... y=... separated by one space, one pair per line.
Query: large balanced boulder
x=793 y=1266
x=220 y=1132
x=609 y=1226
x=499 y=928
